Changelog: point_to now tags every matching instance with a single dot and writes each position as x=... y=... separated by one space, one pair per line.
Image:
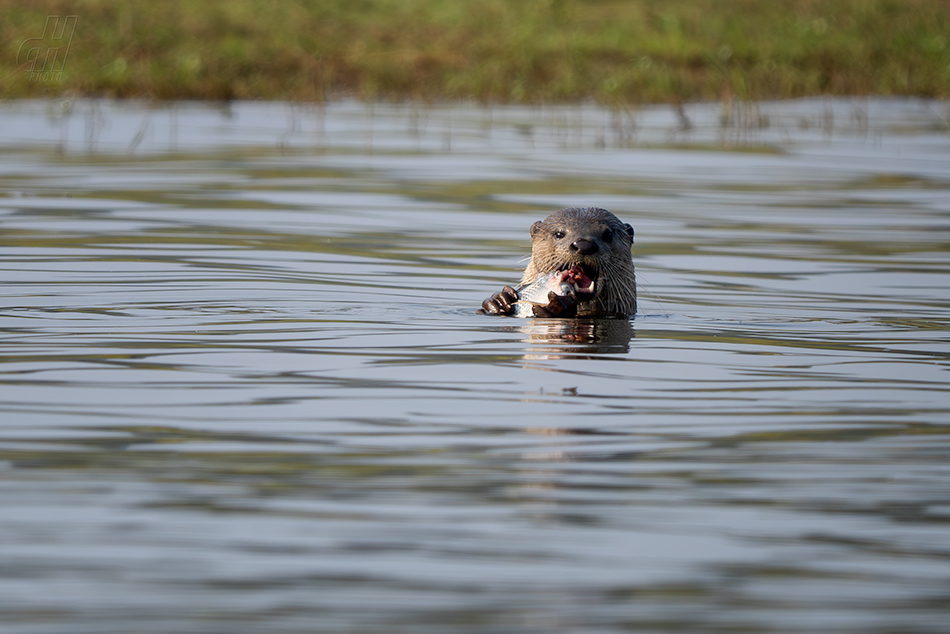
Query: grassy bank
x=490 y=50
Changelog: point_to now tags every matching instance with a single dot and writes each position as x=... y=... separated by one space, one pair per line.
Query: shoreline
x=537 y=51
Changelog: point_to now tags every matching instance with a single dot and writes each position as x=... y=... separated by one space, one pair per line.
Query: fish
x=536 y=292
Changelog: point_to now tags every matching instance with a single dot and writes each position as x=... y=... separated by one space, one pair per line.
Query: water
x=244 y=388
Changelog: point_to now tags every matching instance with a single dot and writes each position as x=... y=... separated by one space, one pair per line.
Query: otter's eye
x=608 y=235
x=559 y=235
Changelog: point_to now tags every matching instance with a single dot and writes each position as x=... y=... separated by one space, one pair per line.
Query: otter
x=586 y=238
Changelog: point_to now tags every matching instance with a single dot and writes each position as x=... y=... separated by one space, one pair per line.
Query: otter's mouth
x=584 y=280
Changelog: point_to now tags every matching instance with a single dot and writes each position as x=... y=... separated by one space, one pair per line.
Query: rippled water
x=244 y=388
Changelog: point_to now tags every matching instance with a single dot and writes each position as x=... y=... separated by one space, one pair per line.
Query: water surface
x=244 y=388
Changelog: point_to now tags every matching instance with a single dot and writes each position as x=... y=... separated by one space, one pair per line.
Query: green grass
x=490 y=50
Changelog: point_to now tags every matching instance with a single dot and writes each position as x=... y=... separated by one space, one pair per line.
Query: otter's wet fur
x=598 y=241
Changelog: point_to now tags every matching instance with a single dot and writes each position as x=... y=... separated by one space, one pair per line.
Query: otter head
x=596 y=242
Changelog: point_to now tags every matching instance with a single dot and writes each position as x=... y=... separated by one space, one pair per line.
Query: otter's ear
x=536 y=227
x=629 y=231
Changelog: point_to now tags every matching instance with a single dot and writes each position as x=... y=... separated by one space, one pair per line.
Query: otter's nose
x=584 y=246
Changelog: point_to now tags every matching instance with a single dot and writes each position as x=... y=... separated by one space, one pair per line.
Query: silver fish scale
x=537 y=292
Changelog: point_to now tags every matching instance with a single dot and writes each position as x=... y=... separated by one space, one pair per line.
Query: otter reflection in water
x=591 y=246
x=576 y=338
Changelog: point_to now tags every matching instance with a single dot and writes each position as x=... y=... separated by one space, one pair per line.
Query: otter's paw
x=501 y=303
x=558 y=306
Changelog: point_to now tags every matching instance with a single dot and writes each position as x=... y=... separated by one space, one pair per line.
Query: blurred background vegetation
x=489 y=50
